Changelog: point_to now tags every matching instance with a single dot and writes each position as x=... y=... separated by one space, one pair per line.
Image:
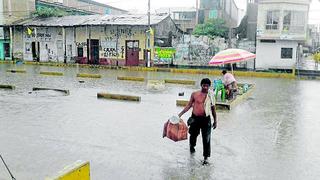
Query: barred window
x=272 y=20
x=286 y=53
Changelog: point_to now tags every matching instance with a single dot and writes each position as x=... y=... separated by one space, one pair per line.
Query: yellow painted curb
x=7 y=62
x=3 y=86
x=264 y=74
x=79 y=170
x=163 y=70
x=119 y=97
x=308 y=78
x=176 y=81
x=16 y=70
x=51 y=73
x=66 y=92
x=181 y=102
x=173 y=70
x=83 y=75
x=127 y=78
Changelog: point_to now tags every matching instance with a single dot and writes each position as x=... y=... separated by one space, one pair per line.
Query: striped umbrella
x=230 y=56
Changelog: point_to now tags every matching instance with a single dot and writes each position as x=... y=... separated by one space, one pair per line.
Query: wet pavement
x=308 y=63
x=272 y=135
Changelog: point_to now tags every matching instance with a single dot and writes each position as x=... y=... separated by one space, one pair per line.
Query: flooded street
x=272 y=135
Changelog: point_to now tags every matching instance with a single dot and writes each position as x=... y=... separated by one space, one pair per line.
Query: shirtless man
x=202 y=119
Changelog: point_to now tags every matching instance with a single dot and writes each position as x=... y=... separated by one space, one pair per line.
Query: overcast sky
x=142 y=5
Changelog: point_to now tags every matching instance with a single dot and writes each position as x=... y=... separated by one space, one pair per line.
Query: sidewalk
x=308 y=64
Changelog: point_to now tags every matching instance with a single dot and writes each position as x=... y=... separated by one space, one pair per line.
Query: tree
x=45 y=12
x=241 y=30
x=316 y=58
x=212 y=28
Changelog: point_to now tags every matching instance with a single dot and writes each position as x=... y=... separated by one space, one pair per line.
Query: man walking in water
x=203 y=104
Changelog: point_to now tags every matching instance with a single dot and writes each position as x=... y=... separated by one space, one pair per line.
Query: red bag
x=175 y=132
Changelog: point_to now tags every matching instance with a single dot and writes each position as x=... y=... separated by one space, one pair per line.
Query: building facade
x=11 y=11
x=252 y=17
x=185 y=18
x=281 y=28
x=223 y=9
x=16 y=10
x=314 y=38
x=95 y=39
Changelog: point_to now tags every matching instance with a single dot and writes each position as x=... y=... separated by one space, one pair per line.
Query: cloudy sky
x=141 y=5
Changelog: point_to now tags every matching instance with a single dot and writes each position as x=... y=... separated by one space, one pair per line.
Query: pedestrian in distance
x=203 y=111
x=230 y=84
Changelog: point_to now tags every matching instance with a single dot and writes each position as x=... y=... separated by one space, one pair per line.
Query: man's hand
x=214 y=125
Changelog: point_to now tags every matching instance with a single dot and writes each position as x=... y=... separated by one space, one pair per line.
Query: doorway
x=35 y=51
x=132 y=53
x=93 y=54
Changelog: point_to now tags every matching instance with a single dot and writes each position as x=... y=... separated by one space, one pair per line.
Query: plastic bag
x=175 y=130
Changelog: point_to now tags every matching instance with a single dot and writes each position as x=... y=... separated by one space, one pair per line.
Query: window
x=272 y=20
x=286 y=53
x=294 y=21
x=213 y=14
x=107 y=11
x=189 y=30
x=176 y=16
x=286 y=20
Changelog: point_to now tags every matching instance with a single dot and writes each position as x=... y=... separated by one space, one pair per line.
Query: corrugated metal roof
x=127 y=19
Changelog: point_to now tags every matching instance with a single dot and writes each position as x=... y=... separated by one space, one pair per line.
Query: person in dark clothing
x=203 y=105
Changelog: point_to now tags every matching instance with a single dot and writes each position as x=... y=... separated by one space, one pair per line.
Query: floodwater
x=272 y=135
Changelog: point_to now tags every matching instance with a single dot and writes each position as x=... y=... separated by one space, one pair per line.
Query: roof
x=101 y=4
x=78 y=20
x=176 y=9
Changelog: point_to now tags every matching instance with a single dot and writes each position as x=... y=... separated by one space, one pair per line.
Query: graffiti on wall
x=197 y=50
x=42 y=34
x=112 y=40
x=111 y=44
x=81 y=44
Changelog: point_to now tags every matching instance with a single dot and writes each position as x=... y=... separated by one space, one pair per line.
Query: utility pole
x=148 y=37
x=10 y=7
x=11 y=42
x=230 y=29
x=197 y=12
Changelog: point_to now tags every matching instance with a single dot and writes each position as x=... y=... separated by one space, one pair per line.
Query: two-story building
x=281 y=28
x=184 y=17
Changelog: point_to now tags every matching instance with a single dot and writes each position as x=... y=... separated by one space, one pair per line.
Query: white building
x=281 y=26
